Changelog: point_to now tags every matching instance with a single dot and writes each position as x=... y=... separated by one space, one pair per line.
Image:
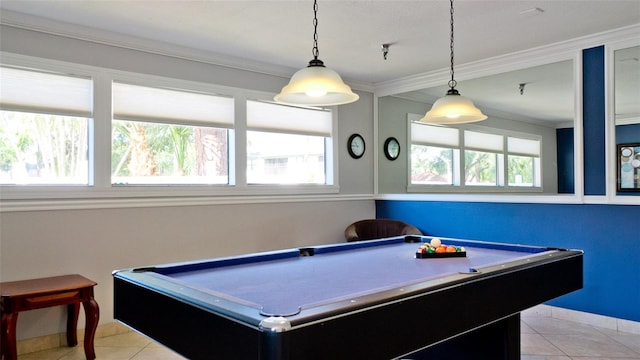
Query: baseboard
x=110 y=329
x=60 y=339
x=607 y=322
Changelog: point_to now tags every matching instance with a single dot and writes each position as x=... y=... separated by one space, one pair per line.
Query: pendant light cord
x=315 y=51
x=453 y=108
x=452 y=82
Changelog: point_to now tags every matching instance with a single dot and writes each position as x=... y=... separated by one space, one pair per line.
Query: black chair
x=378 y=228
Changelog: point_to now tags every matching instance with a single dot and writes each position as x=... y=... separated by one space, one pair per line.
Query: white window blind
x=483 y=141
x=288 y=119
x=41 y=92
x=434 y=135
x=141 y=103
x=523 y=146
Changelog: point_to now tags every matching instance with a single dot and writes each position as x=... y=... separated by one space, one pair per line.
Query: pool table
x=362 y=300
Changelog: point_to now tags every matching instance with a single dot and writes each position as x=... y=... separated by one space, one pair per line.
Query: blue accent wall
x=594 y=120
x=608 y=234
x=565 y=156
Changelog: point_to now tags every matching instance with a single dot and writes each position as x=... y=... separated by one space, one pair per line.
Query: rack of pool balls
x=436 y=249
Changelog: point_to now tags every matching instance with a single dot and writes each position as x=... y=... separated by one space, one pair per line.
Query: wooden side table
x=70 y=290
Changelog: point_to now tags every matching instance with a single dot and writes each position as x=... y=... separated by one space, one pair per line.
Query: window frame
x=455 y=175
x=459 y=185
x=100 y=186
x=170 y=86
x=328 y=134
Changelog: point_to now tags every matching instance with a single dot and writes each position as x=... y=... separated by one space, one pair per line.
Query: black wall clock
x=391 y=148
x=356 y=146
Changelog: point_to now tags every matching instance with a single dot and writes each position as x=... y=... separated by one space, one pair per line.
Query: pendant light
x=316 y=85
x=453 y=108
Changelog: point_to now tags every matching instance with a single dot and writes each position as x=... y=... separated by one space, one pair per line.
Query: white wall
x=96 y=241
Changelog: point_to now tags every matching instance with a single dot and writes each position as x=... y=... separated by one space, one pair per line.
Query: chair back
x=378 y=228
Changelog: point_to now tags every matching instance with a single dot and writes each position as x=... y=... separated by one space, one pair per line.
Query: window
x=482 y=154
x=44 y=128
x=83 y=132
x=480 y=168
x=433 y=151
x=286 y=144
x=521 y=171
x=477 y=158
x=168 y=136
x=431 y=165
x=523 y=162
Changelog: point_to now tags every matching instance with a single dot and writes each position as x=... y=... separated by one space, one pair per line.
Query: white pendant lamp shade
x=316 y=85
x=453 y=108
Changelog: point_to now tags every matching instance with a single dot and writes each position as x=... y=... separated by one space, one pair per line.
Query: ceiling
x=277 y=36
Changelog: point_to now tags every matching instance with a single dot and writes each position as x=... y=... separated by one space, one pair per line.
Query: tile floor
x=543 y=338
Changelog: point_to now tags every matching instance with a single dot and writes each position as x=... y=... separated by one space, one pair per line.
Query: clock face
x=391 y=148
x=356 y=146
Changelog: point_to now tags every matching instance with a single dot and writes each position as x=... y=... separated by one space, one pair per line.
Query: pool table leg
x=497 y=341
x=274 y=345
x=512 y=337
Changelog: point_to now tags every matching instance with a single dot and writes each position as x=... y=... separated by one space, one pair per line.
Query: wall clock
x=356 y=146
x=391 y=148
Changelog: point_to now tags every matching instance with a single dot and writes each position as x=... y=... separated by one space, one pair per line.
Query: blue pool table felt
x=284 y=287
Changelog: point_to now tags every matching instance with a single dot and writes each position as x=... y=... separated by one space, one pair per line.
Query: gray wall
x=392 y=121
x=96 y=240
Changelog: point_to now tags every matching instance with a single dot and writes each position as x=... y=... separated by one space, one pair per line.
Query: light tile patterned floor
x=546 y=338
x=543 y=338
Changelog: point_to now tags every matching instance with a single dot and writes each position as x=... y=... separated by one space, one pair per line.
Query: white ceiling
x=276 y=36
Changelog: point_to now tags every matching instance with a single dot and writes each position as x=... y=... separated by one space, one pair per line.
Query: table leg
x=498 y=340
x=73 y=310
x=92 y=314
x=512 y=337
x=9 y=350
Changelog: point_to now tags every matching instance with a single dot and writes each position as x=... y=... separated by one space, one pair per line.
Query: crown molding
x=542 y=55
x=127 y=41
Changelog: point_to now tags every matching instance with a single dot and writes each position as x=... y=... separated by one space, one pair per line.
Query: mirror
x=539 y=101
x=627 y=119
